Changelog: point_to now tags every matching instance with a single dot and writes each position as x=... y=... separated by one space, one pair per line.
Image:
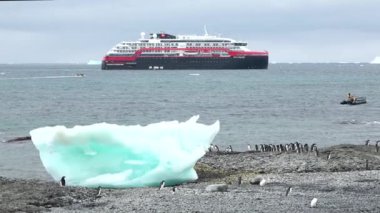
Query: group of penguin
x=62 y=183
x=368 y=142
x=174 y=188
x=290 y=147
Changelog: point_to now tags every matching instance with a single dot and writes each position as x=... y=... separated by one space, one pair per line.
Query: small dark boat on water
x=355 y=101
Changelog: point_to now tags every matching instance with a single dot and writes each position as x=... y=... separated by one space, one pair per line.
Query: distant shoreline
x=271 y=63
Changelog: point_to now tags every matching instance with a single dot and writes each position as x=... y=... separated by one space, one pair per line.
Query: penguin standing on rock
x=328 y=155
x=162 y=185
x=288 y=191
x=312 y=147
x=316 y=152
x=377 y=145
x=306 y=147
x=239 y=180
x=210 y=148
x=62 y=182
x=216 y=148
x=98 y=193
x=367 y=142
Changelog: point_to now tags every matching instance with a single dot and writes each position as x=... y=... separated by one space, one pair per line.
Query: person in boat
x=351 y=98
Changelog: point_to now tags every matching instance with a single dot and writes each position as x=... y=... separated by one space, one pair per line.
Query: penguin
x=249 y=147
x=298 y=150
x=239 y=180
x=216 y=147
x=292 y=147
x=367 y=142
x=312 y=147
x=174 y=189
x=62 y=182
x=316 y=152
x=297 y=145
x=230 y=148
x=227 y=150
x=266 y=148
x=329 y=156
x=377 y=145
x=313 y=203
x=287 y=147
x=98 y=193
x=162 y=185
x=306 y=147
x=262 y=182
x=210 y=148
x=288 y=191
x=256 y=148
x=366 y=164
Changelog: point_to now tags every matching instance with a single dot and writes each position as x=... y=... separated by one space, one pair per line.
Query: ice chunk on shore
x=112 y=155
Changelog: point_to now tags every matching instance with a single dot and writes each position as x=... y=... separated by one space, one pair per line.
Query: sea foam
x=113 y=155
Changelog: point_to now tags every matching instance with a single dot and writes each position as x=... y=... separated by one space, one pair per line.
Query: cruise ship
x=162 y=51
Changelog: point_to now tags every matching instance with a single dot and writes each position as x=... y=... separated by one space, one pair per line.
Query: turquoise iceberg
x=111 y=155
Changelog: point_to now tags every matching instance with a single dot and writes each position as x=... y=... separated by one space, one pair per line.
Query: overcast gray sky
x=75 y=31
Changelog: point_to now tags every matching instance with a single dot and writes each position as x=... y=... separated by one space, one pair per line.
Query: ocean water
x=286 y=103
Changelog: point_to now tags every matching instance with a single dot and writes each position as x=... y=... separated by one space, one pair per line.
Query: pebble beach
x=348 y=181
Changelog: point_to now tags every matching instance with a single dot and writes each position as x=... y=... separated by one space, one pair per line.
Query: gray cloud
x=292 y=30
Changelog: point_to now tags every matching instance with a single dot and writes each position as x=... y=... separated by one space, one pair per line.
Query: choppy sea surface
x=286 y=103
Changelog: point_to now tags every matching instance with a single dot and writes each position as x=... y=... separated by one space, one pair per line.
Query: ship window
x=198 y=44
x=240 y=44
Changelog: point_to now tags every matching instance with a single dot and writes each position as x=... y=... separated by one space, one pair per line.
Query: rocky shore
x=348 y=180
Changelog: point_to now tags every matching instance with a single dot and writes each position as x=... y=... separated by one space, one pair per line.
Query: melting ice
x=112 y=155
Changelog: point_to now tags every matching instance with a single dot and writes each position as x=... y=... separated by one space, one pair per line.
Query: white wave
x=373 y=123
x=2 y=73
x=195 y=74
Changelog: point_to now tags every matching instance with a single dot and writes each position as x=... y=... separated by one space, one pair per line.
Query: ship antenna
x=205 y=28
